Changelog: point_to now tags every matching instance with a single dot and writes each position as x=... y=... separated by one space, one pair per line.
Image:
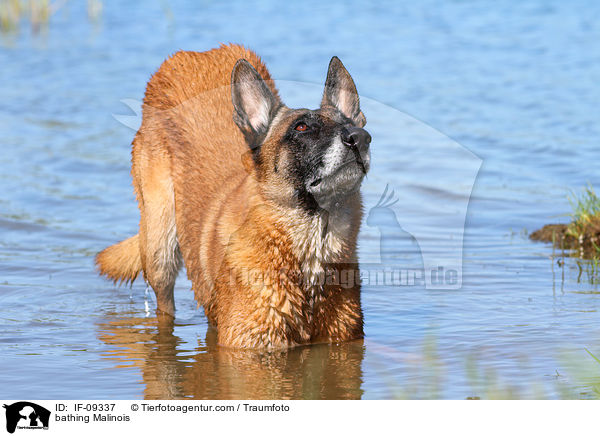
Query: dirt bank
x=584 y=239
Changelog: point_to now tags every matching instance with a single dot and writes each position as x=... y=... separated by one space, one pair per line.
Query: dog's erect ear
x=340 y=92
x=254 y=105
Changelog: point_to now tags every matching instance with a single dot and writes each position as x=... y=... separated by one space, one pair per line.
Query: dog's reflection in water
x=169 y=371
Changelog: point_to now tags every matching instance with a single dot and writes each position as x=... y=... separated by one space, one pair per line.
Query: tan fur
x=121 y=262
x=202 y=202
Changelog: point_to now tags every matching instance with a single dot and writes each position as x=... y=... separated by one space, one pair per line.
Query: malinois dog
x=259 y=201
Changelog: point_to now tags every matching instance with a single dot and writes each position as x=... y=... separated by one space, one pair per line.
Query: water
x=514 y=84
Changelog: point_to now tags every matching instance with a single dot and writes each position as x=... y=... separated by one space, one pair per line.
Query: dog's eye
x=301 y=127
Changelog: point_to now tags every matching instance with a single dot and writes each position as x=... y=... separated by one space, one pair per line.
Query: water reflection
x=323 y=371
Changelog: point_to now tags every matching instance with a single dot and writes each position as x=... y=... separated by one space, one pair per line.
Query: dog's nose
x=355 y=137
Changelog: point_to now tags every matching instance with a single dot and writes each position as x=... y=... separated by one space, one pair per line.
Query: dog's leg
x=159 y=248
x=338 y=315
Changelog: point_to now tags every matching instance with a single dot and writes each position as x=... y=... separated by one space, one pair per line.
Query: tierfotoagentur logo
x=415 y=196
x=26 y=415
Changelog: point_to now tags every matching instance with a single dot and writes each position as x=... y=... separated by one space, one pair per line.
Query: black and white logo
x=26 y=415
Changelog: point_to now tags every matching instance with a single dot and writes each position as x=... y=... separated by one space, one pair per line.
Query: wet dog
x=259 y=201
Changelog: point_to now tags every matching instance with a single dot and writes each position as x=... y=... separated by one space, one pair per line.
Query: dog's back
x=190 y=99
x=189 y=146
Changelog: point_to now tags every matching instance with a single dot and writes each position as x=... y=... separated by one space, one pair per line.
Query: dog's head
x=301 y=157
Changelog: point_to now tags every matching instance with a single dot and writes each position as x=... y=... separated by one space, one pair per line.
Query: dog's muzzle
x=357 y=140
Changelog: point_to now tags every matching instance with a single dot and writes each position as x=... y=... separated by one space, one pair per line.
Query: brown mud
x=586 y=239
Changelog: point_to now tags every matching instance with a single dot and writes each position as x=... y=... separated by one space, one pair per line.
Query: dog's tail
x=121 y=262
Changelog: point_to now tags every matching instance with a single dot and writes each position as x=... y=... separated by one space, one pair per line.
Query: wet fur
x=205 y=202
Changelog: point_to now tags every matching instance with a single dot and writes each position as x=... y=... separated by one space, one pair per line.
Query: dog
x=260 y=202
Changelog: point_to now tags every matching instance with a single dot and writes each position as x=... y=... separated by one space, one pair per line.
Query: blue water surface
x=447 y=86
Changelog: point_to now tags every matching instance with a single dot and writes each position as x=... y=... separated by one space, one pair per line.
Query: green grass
x=590 y=353
x=585 y=373
x=586 y=213
x=585 y=229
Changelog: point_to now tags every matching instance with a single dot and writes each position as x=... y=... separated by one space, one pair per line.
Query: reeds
x=36 y=14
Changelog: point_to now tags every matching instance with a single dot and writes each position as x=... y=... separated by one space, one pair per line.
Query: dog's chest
x=319 y=243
